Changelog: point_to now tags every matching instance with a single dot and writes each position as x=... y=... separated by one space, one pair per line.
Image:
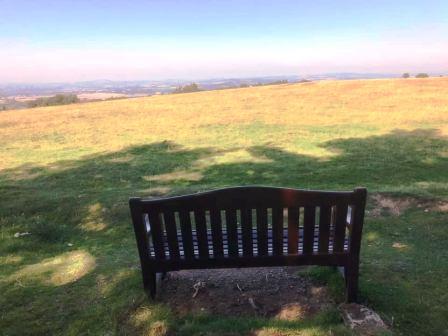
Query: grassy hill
x=66 y=173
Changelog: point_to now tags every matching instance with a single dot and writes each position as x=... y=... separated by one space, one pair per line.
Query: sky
x=54 y=41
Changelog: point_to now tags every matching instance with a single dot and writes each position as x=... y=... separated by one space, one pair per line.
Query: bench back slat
x=293 y=230
x=171 y=231
x=277 y=231
x=308 y=229
x=324 y=228
x=201 y=232
x=157 y=234
x=187 y=238
x=262 y=231
x=340 y=227
x=216 y=227
x=246 y=230
x=232 y=232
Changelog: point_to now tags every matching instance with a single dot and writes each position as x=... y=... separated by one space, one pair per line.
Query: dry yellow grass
x=226 y=119
x=65 y=268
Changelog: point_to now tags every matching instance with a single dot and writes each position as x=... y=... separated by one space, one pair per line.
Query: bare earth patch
x=270 y=292
x=395 y=206
x=441 y=206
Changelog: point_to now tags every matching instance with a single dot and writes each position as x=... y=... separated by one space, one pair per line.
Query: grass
x=66 y=174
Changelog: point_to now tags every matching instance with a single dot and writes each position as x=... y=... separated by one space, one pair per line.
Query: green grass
x=93 y=286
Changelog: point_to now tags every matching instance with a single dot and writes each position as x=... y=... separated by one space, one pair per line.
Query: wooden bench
x=250 y=227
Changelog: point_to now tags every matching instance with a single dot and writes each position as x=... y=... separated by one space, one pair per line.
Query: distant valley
x=19 y=95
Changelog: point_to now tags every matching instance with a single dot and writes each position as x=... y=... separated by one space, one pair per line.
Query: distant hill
x=150 y=87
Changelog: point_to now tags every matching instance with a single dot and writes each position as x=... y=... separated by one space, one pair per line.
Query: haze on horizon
x=51 y=41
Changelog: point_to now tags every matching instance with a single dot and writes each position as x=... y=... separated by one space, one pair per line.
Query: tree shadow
x=394 y=161
x=82 y=206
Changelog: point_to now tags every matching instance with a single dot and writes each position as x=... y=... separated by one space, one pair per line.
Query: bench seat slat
x=255 y=250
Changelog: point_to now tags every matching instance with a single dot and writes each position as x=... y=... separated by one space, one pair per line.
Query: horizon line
x=430 y=73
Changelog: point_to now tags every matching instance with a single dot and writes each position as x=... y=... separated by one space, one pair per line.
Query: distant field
x=106 y=95
x=66 y=173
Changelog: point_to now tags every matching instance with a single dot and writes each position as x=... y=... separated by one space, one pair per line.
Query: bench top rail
x=251 y=197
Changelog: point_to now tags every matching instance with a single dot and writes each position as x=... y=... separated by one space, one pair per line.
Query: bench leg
x=351 y=283
x=150 y=284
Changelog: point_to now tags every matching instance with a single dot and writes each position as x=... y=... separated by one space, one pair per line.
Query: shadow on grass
x=81 y=206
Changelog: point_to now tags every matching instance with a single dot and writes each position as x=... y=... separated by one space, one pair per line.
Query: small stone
x=362 y=320
x=399 y=246
x=20 y=234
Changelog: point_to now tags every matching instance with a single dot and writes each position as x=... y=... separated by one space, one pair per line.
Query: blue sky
x=46 y=41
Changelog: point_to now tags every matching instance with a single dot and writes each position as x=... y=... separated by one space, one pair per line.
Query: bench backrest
x=249 y=222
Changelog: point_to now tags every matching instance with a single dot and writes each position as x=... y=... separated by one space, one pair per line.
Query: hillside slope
x=68 y=258
x=296 y=117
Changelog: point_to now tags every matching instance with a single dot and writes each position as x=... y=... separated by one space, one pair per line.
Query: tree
x=406 y=75
x=278 y=82
x=422 y=75
x=193 y=87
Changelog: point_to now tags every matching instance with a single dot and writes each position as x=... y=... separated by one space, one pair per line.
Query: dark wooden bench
x=250 y=227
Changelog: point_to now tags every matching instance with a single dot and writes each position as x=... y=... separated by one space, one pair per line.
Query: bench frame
x=149 y=225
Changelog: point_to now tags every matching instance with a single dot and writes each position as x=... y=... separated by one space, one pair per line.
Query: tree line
x=193 y=87
x=419 y=75
x=59 y=99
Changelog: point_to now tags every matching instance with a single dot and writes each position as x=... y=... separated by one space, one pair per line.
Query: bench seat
x=254 y=242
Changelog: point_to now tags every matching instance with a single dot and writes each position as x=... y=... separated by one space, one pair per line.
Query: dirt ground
x=269 y=292
x=395 y=206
